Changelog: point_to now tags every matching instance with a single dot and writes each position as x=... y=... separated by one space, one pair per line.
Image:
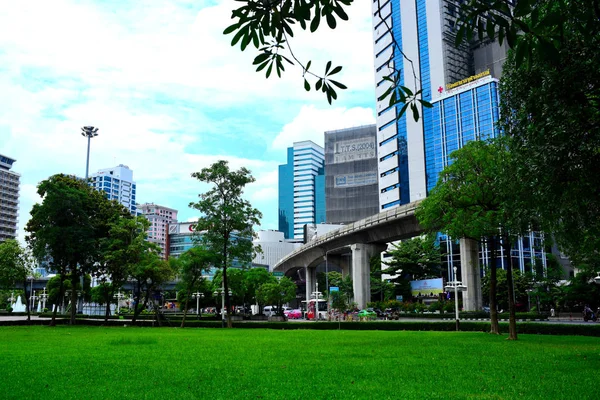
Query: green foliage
x=414 y=259
x=550 y=107
x=380 y=290
x=226 y=219
x=277 y=293
x=16 y=264
x=69 y=226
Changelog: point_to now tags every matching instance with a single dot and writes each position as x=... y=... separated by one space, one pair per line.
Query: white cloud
x=168 y=92
x=311 y=123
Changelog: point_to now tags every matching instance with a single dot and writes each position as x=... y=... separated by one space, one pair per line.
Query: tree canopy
x=225 y=225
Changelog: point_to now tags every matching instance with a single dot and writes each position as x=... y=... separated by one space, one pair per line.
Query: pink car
x=293 y=314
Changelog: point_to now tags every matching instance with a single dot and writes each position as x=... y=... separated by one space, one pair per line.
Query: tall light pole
x=89 y=132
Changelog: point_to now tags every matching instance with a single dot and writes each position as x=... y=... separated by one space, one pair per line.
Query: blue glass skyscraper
x=414 y=43
x=301 y=189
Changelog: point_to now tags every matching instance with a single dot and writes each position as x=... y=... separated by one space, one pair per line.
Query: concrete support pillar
x=471 y=276
x=361 y=255
x=311 y=280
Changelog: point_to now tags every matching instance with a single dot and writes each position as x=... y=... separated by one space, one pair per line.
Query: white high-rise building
x=118 y=184
x=9 y=199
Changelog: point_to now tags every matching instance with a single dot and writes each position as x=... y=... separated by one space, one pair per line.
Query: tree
x=67 y=226
x=190 y=267
x=379 y=288
x=413 y=259
x=471 y=200
x=122 y=248
x=278 y=293
x=416 y=258
x=550 y=100
x=226 y=219
x=254 y=278
x=16 y=266
x=148 y=276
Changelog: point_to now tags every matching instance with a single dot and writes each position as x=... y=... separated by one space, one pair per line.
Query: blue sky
x=168 y=93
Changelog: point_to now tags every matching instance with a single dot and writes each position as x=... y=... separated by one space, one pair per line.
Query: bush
x=9 y=309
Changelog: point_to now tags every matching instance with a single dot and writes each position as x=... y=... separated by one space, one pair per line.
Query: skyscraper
x=9 y=199
x=415 y=41
x=301 y=189
x=351 y=190
x=118 y=184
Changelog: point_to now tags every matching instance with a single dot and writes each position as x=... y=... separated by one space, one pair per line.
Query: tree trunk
x=107 y=296
x=494 y=327
x=227 y=299
x=138 y=300
x=73 y=297
x=27 y=308
x=512 y=321
x=187 y=299
x=61 y=294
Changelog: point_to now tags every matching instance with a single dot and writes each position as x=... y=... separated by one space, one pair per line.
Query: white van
x=271 y=311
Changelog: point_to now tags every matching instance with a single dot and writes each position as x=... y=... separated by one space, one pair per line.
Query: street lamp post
x=198 y=295
x=43 y=298
x=222 y=293
x=457 y=286
x=32 y=300
x=118 y=296
x=89 y=132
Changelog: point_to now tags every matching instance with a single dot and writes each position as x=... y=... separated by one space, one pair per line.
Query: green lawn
x=137 y=363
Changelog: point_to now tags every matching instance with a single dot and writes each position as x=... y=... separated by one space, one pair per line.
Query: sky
x=168 y=93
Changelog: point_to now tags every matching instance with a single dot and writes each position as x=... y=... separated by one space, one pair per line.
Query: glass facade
x=301 y=189
x=455 y=121
x=286 y=196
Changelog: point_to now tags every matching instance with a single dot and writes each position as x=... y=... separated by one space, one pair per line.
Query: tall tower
x=301 y=189
x=9 y=199
x=460 y=82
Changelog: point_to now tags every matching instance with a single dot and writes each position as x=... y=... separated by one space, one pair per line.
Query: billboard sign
x=358 y=179
x=427 y=287
x=354 y=150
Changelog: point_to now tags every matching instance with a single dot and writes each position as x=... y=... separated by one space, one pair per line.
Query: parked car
x=293 y=314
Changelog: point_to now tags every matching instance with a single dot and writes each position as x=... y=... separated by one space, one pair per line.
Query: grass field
x=138 y=363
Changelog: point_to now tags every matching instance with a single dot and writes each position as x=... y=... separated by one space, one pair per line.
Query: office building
x=160 y=217
x=301 y=189
x=462 y=85
x=9 y=199
x=351 y=187
x=118 y=184
x=182 y=237
x=274 y=247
